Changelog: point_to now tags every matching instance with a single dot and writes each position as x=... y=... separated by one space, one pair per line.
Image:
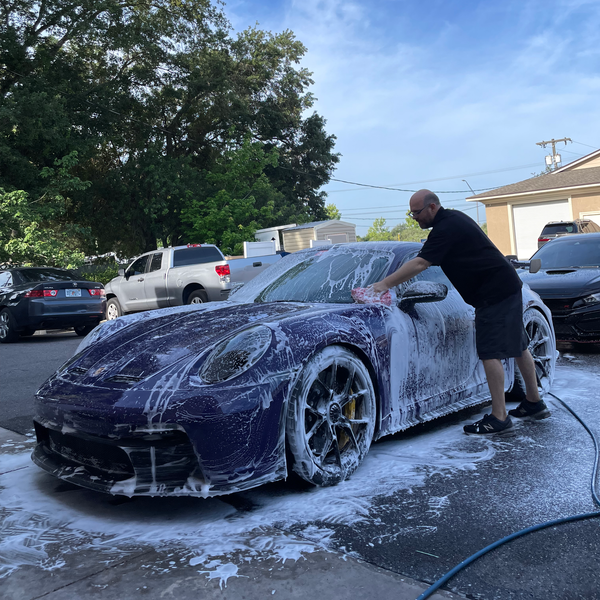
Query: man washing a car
x=487 y=281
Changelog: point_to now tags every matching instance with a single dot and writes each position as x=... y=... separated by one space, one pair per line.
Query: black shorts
x=499 y=330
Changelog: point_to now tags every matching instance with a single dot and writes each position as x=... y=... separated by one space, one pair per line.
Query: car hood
x=138 y=349
x=561 y=283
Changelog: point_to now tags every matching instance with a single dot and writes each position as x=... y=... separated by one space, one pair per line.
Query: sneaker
x=530 y=411
x=489 y=424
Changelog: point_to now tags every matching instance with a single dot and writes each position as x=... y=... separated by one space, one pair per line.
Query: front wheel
x=541 y=347
x=8 y=328
x=331 y=417
x=113 y=309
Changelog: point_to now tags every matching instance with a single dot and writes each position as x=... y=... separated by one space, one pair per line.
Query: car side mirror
x=422 y=291
x=121 y=272
x=535 y=265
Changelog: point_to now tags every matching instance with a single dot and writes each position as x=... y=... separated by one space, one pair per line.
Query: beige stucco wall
x=498 y=225
x=585 y=203
x=298 y=239
x=336 y=229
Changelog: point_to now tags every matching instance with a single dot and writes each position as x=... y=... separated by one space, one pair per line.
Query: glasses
x=414 y=213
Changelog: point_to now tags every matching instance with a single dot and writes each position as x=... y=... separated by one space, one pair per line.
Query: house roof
x=570 y=176
x=318 y=225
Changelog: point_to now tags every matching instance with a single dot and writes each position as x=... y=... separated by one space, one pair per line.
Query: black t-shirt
x=476 y=268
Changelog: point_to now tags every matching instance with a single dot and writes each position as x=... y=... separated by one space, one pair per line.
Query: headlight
x=592 y=299
x=236 y=355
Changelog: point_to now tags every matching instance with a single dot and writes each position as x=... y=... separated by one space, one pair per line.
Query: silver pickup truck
x=181 y=275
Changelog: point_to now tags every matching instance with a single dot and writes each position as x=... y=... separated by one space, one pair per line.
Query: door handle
x=257 y=264
x=141 y=279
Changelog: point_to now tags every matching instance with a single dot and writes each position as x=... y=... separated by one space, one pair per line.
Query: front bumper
x=579 y=325
x=208 y=445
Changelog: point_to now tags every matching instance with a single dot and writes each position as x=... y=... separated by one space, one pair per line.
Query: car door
x=433 y=351
x=133 y=296
x=155 y=283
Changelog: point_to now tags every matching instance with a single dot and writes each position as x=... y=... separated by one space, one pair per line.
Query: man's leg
x=494 y=371
x=527 y=368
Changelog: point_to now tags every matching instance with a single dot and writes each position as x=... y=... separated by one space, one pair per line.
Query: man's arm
x=407 y=271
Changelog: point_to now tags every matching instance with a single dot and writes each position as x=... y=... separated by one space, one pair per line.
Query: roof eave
x=531 y=193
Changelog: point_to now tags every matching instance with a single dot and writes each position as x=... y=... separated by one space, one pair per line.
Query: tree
x=153 y=96
x=238 y=197
x=35 y=232
x=332 y=212
x=409 y=231
x=378 y=232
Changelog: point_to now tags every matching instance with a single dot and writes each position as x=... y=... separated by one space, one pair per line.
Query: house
x=335 y=231
x=517 y=213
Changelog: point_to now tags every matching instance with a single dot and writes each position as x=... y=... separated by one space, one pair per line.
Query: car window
x=555 y=228
x=46 y=274
x=139 y=266
x=196 y=255
x=156 y=262
x=327 y=276
x=568 y=252
x=5 y=279
x=433 y=274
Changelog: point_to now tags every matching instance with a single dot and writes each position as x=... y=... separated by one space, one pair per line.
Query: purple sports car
x=289 y=373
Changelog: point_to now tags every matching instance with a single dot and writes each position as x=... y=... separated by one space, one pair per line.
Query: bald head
x=424 y=205
x=424 y=197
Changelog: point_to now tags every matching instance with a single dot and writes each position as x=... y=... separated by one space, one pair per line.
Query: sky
x=428 y=93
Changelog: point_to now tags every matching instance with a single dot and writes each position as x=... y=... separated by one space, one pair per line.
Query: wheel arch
x=188 y=289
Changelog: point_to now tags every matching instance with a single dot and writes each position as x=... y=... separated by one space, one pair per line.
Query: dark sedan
x=569 y=285
x=290 y=373
x=33 y=298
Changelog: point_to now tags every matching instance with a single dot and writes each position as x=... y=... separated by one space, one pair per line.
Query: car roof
x=570 y=238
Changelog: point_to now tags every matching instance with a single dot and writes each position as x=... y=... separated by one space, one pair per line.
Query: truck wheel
x=8 y=329
x=83 y=330
x=113 y=309
x=197 y=297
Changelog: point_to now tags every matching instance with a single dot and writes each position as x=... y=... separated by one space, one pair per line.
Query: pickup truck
x=181 y=275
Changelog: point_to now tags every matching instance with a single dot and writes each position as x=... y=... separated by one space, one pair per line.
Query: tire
x=113 y=309
x=331 y=417
x=197 y=297
x=83 y=330
x=541 y=347
x=8 y=328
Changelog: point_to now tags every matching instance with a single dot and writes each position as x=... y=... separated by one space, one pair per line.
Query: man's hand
x=380 y=287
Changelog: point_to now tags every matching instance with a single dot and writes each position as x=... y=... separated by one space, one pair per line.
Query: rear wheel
x=113 y=309
x=197 y=297
x=331 y=417
x=83 y=330
x=541 y=347
x=8 y=329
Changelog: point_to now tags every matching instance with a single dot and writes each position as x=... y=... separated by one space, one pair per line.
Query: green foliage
x=484 y=227
x=378 y=232
x=332 y=212
x=153 y=97
x=238 y=200
x=101 y=275
x=36 y=232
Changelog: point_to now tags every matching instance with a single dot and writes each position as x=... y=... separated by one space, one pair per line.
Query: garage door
x=529 y=220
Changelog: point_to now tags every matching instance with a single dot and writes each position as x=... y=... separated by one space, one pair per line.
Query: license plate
x=73 y=293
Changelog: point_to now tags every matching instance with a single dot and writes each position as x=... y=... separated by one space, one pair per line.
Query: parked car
x=289 y=373
x=569 y=284
x=190 y=274
x=556 y=229
x=33 y=298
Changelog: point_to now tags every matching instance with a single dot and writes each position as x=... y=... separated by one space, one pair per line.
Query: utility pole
x=552 y=161
x=476 y=203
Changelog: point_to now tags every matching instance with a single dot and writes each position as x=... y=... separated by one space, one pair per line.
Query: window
x=48 y=274
x=5 y=279
x=156 y=262
x=196 y=256
x=139 y=266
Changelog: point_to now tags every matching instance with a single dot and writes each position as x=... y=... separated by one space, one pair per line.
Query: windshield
x=322 y=276
x=563 y=253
